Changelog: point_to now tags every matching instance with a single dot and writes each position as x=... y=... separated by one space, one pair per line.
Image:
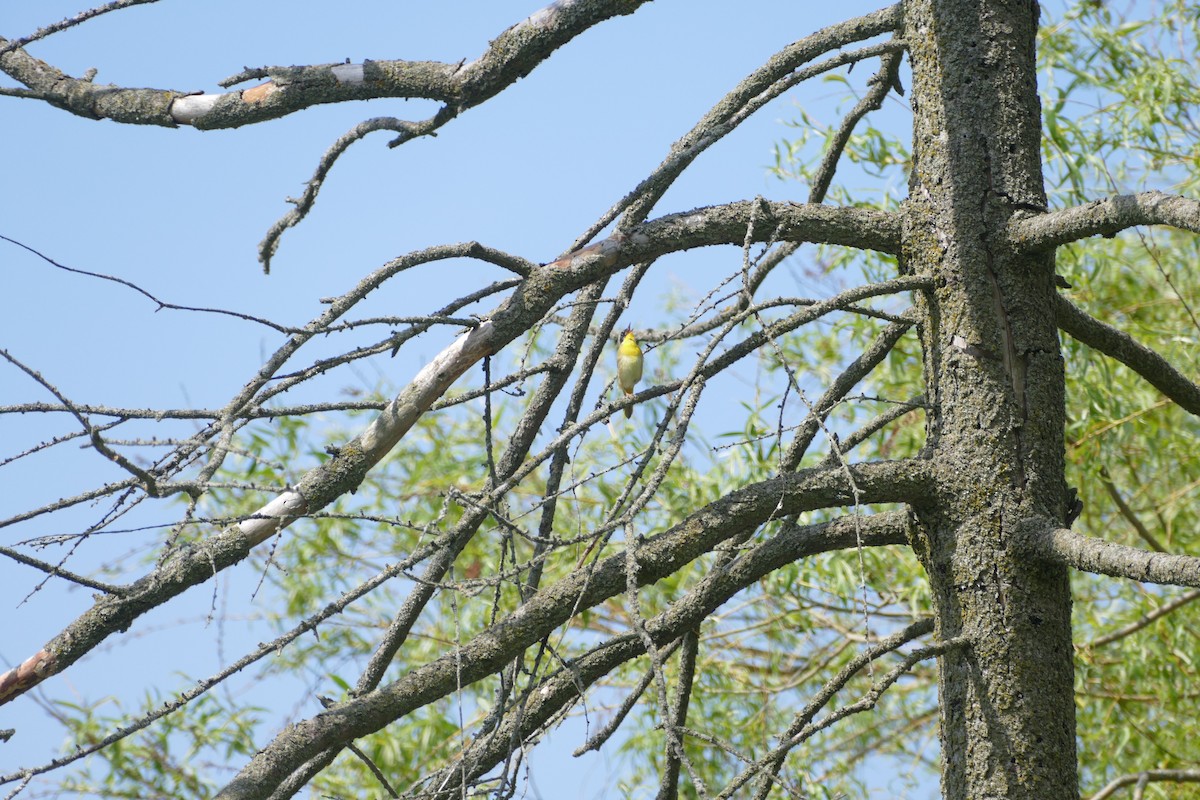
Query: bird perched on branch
x=629 y=366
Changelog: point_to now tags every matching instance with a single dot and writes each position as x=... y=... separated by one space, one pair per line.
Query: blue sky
x=180 y=213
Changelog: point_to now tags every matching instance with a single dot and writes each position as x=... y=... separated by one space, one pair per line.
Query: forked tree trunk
x=994 y=369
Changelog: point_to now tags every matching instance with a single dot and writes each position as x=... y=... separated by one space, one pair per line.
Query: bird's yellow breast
x=629 y=363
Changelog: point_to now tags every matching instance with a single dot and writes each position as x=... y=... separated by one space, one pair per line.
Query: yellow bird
x=629 y=366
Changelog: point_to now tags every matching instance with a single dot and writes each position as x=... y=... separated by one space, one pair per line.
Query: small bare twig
x=802 y=727
x=56 y=571
x=1128 y=513
x=162 y=304
x=304 y=204
x=71 y=22
x=1148 y=619
x=1140 y=779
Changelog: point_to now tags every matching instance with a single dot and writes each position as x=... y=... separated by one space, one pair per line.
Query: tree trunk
x=995 y=374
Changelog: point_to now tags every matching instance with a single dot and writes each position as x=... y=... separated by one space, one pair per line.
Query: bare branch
x=803 y=721
x=606 y=732
x=162 y=304
x=66 y=502
x=855 y=372
x=1157 y=371
x=345 y=470
x=195 y=564
x=253 y=392
x=658 y=556
x=248 y=402
x=1128 y=513
x=670 y=716
x=783 y=70
x=71 y=22
x=559 y=690
x=448 y=546
x=146 y=480
x=56 y=571
x=1147 y=776
x=880 y=84
x=254 y=412
x=1070 y=549
x=363 y=757
x=511 y=56
x=408 y=130
x=789 y=222
x=1103 y=218
x=669 y=782
x=899 y=409
x=1134 y=627
x=309 y=624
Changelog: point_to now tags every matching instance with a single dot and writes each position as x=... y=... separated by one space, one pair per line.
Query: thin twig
x=162 y=304
x=70 y=22
x=1148 y=619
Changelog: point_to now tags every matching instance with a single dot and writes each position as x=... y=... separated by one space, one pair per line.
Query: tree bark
x=996 y=384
